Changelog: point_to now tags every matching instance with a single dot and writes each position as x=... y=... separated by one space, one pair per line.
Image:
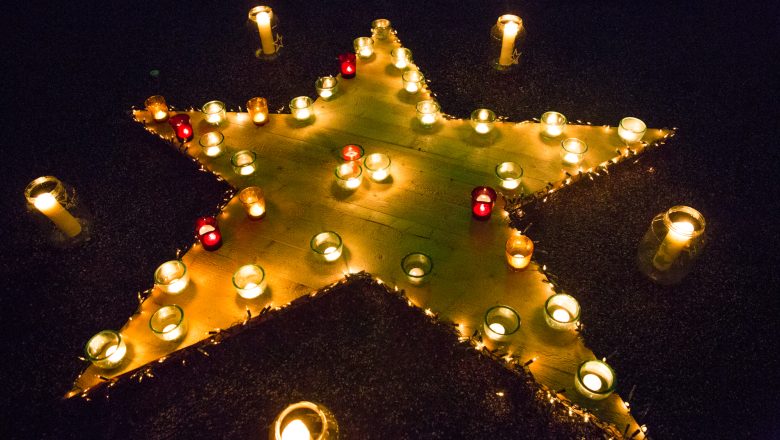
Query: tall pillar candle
x=48 y=205
x=263 y=15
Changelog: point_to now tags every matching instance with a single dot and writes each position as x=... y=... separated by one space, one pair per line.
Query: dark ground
x=702 y=353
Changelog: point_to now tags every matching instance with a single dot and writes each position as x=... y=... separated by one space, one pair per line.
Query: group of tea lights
x=349 y=174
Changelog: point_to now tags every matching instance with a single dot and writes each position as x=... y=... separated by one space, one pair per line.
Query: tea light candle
x=348 y=65
x=380 y=28
x=172 y=277
x=48 y=205
x=631 y=130
x=326 y=86
x=482 y=200
x=182 y=127
x=509 y=174
x=254 y=202
x=511 y=26
x=304 y=421
x=249 y=281
x=501 y=323
x=215 y=112
x=364 y=47
x=106 y=349
x=683 y=224
x=212 y=143
x=349 y=175
x=327 y=245
x=417 y=266
x=262 y=15
x=595 y=380
x=483 y=120
x=378 y=166
x=157 y=108
x=168 y=323
x=258 y=110
x=244 y=162
x=552 y=124
x=401 y=57
x=427 y=112
x=352 y=152
x=207 y=230
x=562 y=312
x=413 y=80
x=573 y=151
x=301 y=108
x=519 y=249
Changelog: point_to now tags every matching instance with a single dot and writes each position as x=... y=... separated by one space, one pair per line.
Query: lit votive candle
x=263 y=17
x=168 y=323
x=258 y=110
x=212 y=143
x=326 y=86
x=182 y=127
x=500 y=323
x=301 y=108
x=519 y=249
x=417 y=266
x=483 y=120
x=207 y=231
x=378 y=166
x=352 y=152
x=349 y=175
x=573 y=151
x=401 y=57
x=380 y=28
x=157 y=108
x=172 y=277
x=254 y=202
x=106 y=349
x=595 y=380
x=327 y=245
x=510 y=175
x=682 y=224
x=249 y=281
x=244 y=162
x=427 y=112
x=304 y=421
x=214 y=112
x=631 y=130
x=413 y=80
x=48 y=195
x=552 y=124
x=364 y=47
x=562 y=312
x=347 y=65
x=482 y=200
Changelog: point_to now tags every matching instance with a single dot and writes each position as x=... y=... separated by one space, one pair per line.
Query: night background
x=702 y=353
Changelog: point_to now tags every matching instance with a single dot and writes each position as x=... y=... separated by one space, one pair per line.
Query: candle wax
x=592 y=382
x=482 y=128
x=428 y=119
x=571 y=158
x=160 y=115
x=510 y=183
x=266 y=36
x=673 y=244
x=256 y=210
x=353 y=183
x=110 y=350
x=296 y=430
x=366 y=52
x=508 y=43
x=247 y=170
x=205 y=229
x=259 y=118
x=213 y=151
x=169 y=328
x=379 y=175
x=483 y=198
x=412 y=87
x=302 y=113
x=498 y=328
x=561 y=315
x=554 y=130
x=331 y=253
x=326 y=93
x=416 y=272
x=51 y=208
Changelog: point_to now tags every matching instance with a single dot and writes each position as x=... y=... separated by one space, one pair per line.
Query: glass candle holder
x=427 y=112
x=381 y=28
x=401 y=57
x=519 y=249
x=327 y=245
x=302 y=108
x=244 y=162
x=552 y=124
x=106 y=349
x=168 y=323
x=631 y=130
x=671 y=244
x=413 y=80
x=595 y=380
x=157 y=108
x=510 y=175
x=266 y=22
x=417 y=266
x=352 y=152
x=214 y=112
x=172 y=277
x=562 y=312
x=207 y=230
x=327 y=86
x=182 y=127
x=249 y=281
x=508 y=36
x=378 y=166
x=305 y=421
x=49 y=196
x=483 y=120
x=347 y=65
x=500 y=323
x=573 y=151
x=349 y=175
x=482 y=200
x=258 y=110
x=254 y=202
x=212 y=143
x=364 y=47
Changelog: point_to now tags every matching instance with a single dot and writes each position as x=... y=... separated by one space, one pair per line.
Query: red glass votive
x=482 y=200
x=181 y=125
x=352 y=152
x=207 y=230
x=348 y=65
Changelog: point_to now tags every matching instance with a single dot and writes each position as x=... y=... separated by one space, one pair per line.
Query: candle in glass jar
x=364 y=47
x=427 y=112
x=348 y=65
x=519 y=249
x=254 y=202
x=417 y=266
x=327 y=245
x=214 y=112
x=573 y=151
x=352 y=152
x=326 y=86
x=380 y=28
x=349 y=175
x=212 y=143
x=48 y=205
x=562 y=312
x=595 y=380
x=501 y=323
x=262 y=15
x=249 y=281
x=401 y=57
x=157 y=108
x=509 y=174
x=304 y=421
x=244 y=162
x=631 y=130
x=182 y=127
x=413 y=80
x=511 y=28
x=207 y=230
x=482 y=120
x=552 y=124
x=482 y=200
x=106 y=349
x=680 y=233
x=172 y=277
x=258 y=110
x=378 y=166
x=301 y=108
x=168 y=323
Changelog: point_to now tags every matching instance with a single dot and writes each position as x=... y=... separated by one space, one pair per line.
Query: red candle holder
x=351 y=152
x=207 y=230
x=181 y=125
x=348 y=65
x=482 y=200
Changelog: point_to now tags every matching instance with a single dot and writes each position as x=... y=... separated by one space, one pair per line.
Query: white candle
x=571 y=158
x=205 y=229
x=484 y=198
x=331 y=253
x=416 y=272
x=428 y=119
x=631 y=129
x=256 y=210
x=296 y=430
x=674 y=242
x=47 y=204
x=172 y=277
x=160 y=115
x=247 y=170
x=508 y=43
x=592 y=382
x=498 y=328
x=169 y=327
x=561 y=315
x=353 y=182
x=266 y=36
x=259 y=118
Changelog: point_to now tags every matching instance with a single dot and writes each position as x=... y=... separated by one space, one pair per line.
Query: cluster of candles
x=349 y=174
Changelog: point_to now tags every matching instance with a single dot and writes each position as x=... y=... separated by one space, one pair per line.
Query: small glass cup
x=631 y=130
x=381 y=28
x=509 y=174
x=305 y=420
x=327 y=245
x=417 y=266
x=157 y=108
x=573 y=151
x=519 y=249
x=483 y=198
x=106 y=349
x=595 y=380
x=413 y=80
x=378 y=166
x=168 y=323
x=671 y=244
x=258 y=110
x=347 y=65
x=483 y=120
x=327 y=86
x=364 y=47
x=302 y=108
x=401 y=57
x=349 y=175
x=249 y=281
x=500 y=323
x=254 y=202
x=244 y=162
x=172 y=277
x=212 y=143
x=562 y=312
x=427 y=112
x=215 y=112
x=552 y=124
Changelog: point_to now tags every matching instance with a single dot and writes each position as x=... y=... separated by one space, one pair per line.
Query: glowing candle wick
x=296 y=430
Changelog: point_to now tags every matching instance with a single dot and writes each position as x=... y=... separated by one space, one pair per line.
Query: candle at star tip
x=562 y=312
x=595 y=379
x=364 y=47
x=631 y=129
x=106 y=349
x=207 y=230
x=401 y=57
x=380 y=28
x=48 y=205
x=157 y=108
